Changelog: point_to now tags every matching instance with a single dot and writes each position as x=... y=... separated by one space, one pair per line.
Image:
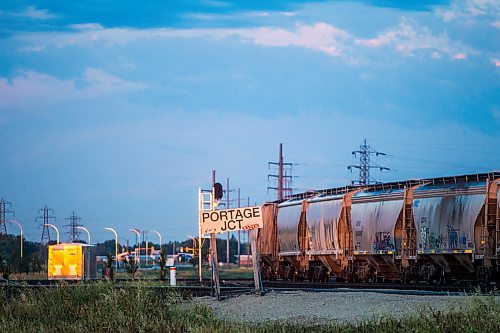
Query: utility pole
x=213 y=245
x=228 y=204
x=283 y=178
x=248 y=235
x=365 y=152
x=3 y=215
x=46 y=217
x=73 y=225
x=239 y=241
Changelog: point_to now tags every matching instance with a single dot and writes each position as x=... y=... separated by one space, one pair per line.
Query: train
x=436 y=230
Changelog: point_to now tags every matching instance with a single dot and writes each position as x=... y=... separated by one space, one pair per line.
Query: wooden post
x=255 y=262
x=215 y=271
x=213 y=246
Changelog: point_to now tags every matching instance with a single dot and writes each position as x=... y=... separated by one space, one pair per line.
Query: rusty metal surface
x=373 y=225
x=446 y=222
x=267 y=234
x=322 y=219
x=288 y=224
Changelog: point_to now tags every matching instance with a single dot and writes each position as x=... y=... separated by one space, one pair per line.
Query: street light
x=138 y=239
x=88 y=251
x=159 y=235
x=116 y=246
x=55 y=228
x=20 y=228
x=86 y=230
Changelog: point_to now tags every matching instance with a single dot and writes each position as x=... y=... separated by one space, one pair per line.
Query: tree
x=162 y=263
x=4 y=268
x=130 y=265
x=34 y=263
x=107 y=270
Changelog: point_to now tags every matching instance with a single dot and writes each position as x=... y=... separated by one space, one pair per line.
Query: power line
x=46 y=217
x=74 y=233
x=3 y=215
x=365 y=165
x=284 y=177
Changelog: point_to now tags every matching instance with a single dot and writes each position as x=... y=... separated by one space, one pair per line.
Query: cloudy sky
x=119 y=110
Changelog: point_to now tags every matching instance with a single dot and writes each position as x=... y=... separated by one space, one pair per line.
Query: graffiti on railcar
x=447 y=223
x=383 y=242
x=450 y=240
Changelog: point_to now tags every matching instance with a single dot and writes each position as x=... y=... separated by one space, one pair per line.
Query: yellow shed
x=71 y=261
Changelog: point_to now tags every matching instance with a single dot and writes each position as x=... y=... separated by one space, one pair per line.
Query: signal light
x=218 y=191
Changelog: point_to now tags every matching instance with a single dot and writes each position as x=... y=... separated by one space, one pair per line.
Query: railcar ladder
x=497 y=229
x=409 y=240
x=409 y=233
x=490 y=223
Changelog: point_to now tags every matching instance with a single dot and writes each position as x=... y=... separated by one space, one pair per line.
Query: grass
x=182 y=273
x=102 y=308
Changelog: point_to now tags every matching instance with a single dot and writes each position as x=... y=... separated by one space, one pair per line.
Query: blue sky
x=119 y=110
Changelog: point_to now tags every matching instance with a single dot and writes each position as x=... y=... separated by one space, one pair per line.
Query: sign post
x=255 y=262
x=224 y=220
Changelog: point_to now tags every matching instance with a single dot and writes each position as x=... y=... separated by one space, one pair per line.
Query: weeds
x=102 y=307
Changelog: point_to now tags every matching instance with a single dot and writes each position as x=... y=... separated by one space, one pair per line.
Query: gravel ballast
x=324 y=307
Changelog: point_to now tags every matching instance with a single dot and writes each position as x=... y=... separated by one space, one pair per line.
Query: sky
x=120 y=110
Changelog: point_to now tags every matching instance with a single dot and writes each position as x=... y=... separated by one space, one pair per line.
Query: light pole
x=116 y=246
x=86 y=230
x=88 y=250
x=138 y=240
x=20 y=228
x=159 y=235
x=55 y=228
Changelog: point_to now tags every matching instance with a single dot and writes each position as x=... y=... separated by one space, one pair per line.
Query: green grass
x=102 y=308
x=182 y=273
x=192 y=273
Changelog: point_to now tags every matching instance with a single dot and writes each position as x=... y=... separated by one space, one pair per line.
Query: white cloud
x=320 y=37
x=469 y=10
x=460 y=56
x=34 y=13
x=496 y=62
x=409 y=38
x=31 y=88
x=87 y=26
x=436 y=55
x=34 y=48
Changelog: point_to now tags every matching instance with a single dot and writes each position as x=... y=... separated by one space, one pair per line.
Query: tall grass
x=103 y=308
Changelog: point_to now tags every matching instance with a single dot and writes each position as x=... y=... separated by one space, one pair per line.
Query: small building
x=71 y=261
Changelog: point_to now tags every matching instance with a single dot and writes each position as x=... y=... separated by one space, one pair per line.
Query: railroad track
x=231 y=287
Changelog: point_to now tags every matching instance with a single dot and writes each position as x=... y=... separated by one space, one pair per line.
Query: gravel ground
x=324 y=307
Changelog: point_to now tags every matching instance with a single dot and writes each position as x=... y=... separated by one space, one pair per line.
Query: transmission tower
x=365 y=152
x=283 y=178
x=3 y=216
x=46 y=217
x=74 y=234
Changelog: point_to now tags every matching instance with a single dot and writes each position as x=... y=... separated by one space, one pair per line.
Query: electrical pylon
x=74 y=234
x=365 y=152
x=283 y=178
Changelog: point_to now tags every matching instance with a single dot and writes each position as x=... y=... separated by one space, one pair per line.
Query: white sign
x=219 y=221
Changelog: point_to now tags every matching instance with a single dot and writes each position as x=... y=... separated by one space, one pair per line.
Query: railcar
x=433 y=230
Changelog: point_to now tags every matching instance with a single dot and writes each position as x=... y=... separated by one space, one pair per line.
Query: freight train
x=437 y=230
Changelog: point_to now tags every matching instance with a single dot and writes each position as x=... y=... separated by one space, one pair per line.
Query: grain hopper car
x=433 y=230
